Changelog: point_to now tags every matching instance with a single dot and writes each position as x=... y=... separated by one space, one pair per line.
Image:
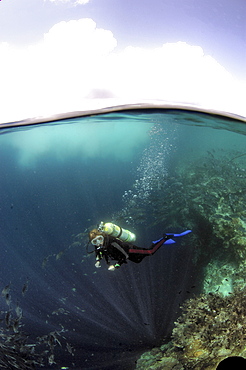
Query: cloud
x=76 y=2
x=77 y=66
x=175 y=72
x=82 y=2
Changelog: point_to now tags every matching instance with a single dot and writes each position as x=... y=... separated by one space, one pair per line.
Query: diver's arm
x=117 y=264
x=97 y=264
x=99 y=256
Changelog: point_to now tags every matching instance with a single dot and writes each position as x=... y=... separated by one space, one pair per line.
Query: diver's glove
x=97 y=264
x=113 y=267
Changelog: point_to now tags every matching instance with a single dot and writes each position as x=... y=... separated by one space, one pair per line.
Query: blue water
x=60 y=179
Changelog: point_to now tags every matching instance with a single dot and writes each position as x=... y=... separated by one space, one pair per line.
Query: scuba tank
x=117 y=232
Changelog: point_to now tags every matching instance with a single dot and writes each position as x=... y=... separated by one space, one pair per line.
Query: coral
x=208 y=196
x=219 y=278
x=156 y=360
x=210 y=329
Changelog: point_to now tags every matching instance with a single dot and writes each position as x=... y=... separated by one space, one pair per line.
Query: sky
x=66 y=55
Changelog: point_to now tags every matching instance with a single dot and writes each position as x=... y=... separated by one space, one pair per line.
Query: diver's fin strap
x=117 y=246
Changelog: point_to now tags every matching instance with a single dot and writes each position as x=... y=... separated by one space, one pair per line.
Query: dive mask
x=98 y=240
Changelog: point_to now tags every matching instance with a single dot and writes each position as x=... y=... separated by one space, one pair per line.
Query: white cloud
x=77 y=63
x=76 y=2
x=82 y=2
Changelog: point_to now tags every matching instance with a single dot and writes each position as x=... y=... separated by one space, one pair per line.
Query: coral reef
x=209 y=330
x=220 y=278
x=209 y=196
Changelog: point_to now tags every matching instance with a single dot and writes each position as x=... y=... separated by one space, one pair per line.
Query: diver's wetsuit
x=120 y=251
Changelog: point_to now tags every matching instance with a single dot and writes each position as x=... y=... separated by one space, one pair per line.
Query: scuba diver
x=111 y=242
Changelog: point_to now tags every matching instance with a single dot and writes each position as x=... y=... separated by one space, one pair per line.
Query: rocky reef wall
x=207 y=195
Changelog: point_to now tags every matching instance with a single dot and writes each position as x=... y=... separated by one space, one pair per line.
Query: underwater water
x=149 y=171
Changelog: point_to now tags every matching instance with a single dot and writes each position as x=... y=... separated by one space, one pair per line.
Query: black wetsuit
x=120 y=251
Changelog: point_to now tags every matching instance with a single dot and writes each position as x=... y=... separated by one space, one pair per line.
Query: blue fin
x=181 y=234
x=157 y=241
x=169 y=241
